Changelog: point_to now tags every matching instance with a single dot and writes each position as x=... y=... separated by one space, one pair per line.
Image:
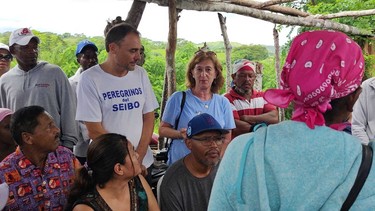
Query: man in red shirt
x=248 y=104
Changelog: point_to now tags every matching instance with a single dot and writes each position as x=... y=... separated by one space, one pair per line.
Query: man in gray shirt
x=187 y=183
x=33 y=82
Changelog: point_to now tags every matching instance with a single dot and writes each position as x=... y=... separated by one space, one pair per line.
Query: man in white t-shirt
x=116 y=96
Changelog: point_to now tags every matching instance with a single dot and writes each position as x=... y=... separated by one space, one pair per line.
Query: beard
x=241 y=91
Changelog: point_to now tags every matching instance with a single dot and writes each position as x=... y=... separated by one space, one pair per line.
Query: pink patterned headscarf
x=320 y=66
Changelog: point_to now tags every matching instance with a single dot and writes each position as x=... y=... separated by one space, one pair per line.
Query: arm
x=95 y=129
x=241 y=127
x=68 y=105
x=147 y=130
x=82 y=207
x=359 y=117
x=152 y=203
x=270 y=117
x=166 y=130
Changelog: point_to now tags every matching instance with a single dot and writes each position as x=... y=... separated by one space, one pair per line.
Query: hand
x=183 y=133
x=144 y=171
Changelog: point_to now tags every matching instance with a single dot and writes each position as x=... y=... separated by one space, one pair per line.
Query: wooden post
x=228 y=51
x=135 y=13
x=259 y=76
x=170 y=78
x=277 y=67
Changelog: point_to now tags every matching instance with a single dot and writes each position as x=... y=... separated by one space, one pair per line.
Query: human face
x=131 y=162
x=206 y=147
x=45 y=137
x=127 y=52
x=88 y=58
x=5 y=59
x=244 y=81
x=5 y=135
x=204 y=74
x=26 y=55
x=142 y=58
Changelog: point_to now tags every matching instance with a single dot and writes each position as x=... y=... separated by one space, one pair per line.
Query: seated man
x=187 y=183
x=39 y=173
x=7 y=144
x=249 y=107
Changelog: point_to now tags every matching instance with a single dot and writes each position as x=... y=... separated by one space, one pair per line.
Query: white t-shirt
x=118 y=102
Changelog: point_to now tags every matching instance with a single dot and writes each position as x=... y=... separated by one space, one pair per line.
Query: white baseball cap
x=3 y=46
x=22 y=36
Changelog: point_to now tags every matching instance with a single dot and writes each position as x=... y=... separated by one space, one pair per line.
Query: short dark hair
x=24 y=120
x=118 y=32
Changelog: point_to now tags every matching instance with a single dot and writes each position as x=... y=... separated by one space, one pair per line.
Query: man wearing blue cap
x=187 y=183
x=87 y=56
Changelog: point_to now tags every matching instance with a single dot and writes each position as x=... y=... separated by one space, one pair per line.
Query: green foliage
x=370 y=66
x=335 y=6
x=269 y=73
x=60 y=50
x=250 y=52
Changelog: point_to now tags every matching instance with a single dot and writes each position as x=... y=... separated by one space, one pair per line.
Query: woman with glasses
x=204 y=80
x=5 y=58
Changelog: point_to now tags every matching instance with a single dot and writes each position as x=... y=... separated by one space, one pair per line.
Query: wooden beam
x=357 y=13
x=267 y=16
x=273 y=2
x=272 y=8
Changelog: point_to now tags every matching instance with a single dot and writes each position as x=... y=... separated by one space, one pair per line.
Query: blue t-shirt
x=218 y=107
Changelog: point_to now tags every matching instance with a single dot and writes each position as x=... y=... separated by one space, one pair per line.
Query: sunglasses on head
x=6 y=57
x=208 y=53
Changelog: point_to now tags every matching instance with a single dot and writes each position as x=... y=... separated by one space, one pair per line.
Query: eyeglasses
x=6 y=57
x=207 y=141
x=208 y=53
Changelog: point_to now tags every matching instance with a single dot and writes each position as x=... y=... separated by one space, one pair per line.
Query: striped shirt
x=241 y=106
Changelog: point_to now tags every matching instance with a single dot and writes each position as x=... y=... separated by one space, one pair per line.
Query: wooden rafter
x=266 y=16
x=274 y=2
x=272 y=8
x=345 y=14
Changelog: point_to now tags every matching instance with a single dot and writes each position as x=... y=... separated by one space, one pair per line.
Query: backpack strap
x=178 y=119
x=181 y=108
x=363 y=172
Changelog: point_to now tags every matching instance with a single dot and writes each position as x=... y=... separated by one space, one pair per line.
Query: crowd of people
x=82 y=143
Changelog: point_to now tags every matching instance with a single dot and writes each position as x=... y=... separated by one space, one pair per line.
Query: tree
x=250 y=52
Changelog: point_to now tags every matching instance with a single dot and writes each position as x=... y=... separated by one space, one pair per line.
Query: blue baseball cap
x=202 y=123
x=84 y=43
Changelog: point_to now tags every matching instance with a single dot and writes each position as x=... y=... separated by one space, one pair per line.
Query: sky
x=89 y=17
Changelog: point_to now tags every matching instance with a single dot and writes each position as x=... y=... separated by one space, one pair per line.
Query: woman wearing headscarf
x=301 y=164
